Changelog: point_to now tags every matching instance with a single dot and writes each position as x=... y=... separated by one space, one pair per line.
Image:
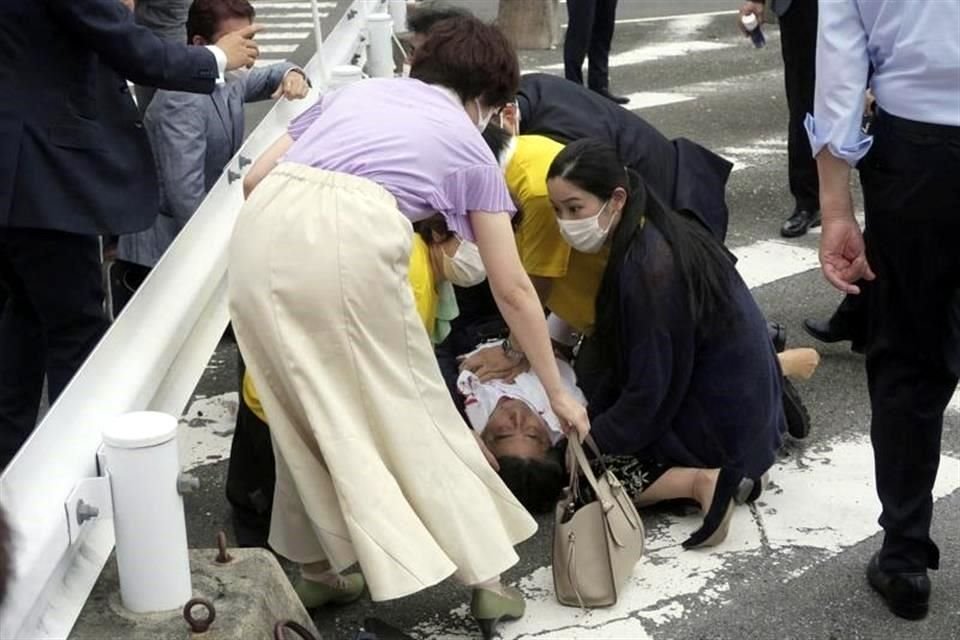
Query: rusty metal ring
x=202 y=624
x=299 y=629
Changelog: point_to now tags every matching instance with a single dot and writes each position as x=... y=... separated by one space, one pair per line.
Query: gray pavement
x=793 y=565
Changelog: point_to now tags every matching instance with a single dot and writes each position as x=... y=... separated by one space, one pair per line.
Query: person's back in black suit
x=68 y=173
x=684 y=175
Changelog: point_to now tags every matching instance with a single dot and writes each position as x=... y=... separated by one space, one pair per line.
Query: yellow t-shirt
x=543 y=251
x=425 y=296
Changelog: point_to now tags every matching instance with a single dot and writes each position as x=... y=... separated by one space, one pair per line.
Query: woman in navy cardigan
x=679 y=372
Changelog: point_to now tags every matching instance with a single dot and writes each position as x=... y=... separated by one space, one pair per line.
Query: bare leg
x=799 y=363
x=681 y=482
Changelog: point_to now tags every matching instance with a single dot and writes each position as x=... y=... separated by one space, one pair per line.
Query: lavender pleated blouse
x=413 y=139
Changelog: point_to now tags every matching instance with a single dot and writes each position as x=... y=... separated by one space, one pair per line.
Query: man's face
x=514 y=430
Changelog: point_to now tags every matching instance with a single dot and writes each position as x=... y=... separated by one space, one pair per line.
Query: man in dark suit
x=72 y=169
x=798 y=45
x=686 y=176
x=589 y=35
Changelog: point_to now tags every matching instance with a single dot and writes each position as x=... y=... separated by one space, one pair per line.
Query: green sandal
x=317 y=594
x=489 y=608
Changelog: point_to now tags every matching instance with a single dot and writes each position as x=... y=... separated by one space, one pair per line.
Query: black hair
x=423 y=17
x=700 y=260
x=435 y=223
x=204 y=16
x=536 y=483
x=498 y=139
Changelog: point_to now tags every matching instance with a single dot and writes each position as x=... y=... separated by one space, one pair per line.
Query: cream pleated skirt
x=374 y=464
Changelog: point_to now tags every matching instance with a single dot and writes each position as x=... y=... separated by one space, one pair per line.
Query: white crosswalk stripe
x=288 y=25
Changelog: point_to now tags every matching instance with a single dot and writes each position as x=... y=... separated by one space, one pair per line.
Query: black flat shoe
x=732 y=488
x=825 y=331
x=778 y=336
x=611 y=97
x=795 y=412
x=799 y=222
x=907 y=594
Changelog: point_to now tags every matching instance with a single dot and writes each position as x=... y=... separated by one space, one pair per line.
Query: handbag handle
x=584 y=465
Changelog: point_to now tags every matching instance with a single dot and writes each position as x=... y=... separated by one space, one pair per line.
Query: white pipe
x=380 y=54
x=398 y=9
x=149 y=524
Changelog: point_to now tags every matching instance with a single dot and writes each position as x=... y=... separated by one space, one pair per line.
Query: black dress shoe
x=778 y=336
x=907 y=594
x=613 y=98
x=826 y=331
x=795 y=412
x=800 y=222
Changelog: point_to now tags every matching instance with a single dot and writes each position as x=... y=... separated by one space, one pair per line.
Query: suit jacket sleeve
x=136 y=53
x=179 y=139
x=261 y=82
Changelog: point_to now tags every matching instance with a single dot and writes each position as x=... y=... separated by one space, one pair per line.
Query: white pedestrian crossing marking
x=766 y=261
x=278 y=48
x=658 y=51
x=648 y=99
x=282 y=35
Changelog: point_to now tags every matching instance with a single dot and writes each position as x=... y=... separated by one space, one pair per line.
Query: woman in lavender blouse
x=374 y=464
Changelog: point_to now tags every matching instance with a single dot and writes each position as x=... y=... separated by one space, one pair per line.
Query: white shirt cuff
x=851 y=151
x=221 y=61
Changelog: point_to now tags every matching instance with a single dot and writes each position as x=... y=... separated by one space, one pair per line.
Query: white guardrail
x=151 y=359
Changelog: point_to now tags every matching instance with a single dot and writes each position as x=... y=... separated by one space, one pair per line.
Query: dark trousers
x=909 y=185
x=251 y=474
x=51 y=320
x=589 y=34
x=798 y=43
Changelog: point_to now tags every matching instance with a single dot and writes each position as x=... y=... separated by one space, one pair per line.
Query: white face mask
x=465 y=268
x=585 y=234
x=484 y=120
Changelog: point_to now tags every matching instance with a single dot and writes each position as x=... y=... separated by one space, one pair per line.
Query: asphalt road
x=793 y=566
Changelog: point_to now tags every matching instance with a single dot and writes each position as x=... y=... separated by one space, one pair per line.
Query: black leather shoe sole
x=795 y=412
x=907 y=594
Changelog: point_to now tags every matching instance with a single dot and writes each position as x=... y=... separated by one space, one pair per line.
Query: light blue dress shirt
x=914 y=46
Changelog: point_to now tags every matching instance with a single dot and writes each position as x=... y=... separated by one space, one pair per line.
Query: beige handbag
x=597 y=544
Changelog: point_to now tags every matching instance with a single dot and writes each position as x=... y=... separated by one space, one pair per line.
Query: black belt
x=943 y=131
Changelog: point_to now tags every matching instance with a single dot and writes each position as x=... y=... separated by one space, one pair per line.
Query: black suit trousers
x=589 y=34
x=911 y=201
x=798 y=43
x=51 y=320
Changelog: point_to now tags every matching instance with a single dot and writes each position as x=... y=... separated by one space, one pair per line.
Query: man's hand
x=492 y=459
x=843 y=255
x=239 y=47
x=294 y=86
x=756 y=8
x=492 y=363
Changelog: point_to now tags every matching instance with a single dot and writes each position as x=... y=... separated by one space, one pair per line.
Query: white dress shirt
x=914 y=46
